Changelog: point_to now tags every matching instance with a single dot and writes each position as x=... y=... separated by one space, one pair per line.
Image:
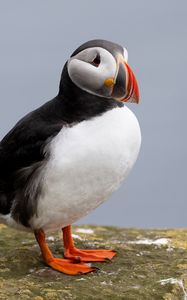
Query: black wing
x=21 y=158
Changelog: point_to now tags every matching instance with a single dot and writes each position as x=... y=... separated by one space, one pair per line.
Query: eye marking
x=96 y=62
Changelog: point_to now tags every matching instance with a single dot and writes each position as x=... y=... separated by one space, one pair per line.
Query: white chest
x=88 y=162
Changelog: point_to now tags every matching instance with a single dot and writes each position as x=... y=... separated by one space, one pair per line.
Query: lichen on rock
x=150 y=264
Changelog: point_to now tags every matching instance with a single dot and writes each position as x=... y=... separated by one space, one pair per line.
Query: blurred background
x=37 y=37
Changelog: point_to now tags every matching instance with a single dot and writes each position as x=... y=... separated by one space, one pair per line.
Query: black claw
x=96 y=269
x=108 y=260
x=77 y=259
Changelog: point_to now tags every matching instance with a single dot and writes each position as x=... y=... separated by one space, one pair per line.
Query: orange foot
x=73 y=253
x=89 y=255
x=62 y=265
x=69 y=267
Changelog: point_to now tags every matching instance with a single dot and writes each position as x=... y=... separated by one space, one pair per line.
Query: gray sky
x=37 y=37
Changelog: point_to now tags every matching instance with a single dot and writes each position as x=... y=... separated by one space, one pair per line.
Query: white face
x=90 y=68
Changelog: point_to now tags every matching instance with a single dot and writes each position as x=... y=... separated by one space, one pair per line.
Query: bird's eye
x=97 y=60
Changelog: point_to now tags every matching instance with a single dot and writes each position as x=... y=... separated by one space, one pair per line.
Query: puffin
x=65 y=158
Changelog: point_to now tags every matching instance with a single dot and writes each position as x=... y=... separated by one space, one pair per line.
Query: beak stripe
x=119 y=89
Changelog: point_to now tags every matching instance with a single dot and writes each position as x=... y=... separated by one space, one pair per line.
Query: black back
x=21 y=155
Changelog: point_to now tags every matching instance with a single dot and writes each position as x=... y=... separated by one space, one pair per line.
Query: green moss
x=135 y=273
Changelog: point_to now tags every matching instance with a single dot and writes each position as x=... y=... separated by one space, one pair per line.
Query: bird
x=65 y=158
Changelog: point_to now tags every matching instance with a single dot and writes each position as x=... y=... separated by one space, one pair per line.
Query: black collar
x=78 y=105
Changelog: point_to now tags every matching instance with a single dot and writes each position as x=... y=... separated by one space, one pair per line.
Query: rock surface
x=150 y=265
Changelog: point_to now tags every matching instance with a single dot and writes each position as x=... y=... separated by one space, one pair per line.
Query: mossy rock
x=150 y=264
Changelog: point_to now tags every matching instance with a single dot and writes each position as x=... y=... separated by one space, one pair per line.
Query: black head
x=107 y=45
x=97 y=73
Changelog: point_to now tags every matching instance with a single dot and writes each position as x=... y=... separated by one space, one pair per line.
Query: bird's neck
x=78 y=105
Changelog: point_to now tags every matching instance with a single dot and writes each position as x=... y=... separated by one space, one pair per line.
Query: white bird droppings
x=76 y=236
x=84 y=230
x=50 y=238
x=80 y=279
x=175 y=281
x=157 y=242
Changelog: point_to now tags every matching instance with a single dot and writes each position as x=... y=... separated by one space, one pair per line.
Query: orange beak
x=125 y=88
x=132 y=94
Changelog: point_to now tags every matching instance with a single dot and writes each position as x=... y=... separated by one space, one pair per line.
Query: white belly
x=88 y=162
